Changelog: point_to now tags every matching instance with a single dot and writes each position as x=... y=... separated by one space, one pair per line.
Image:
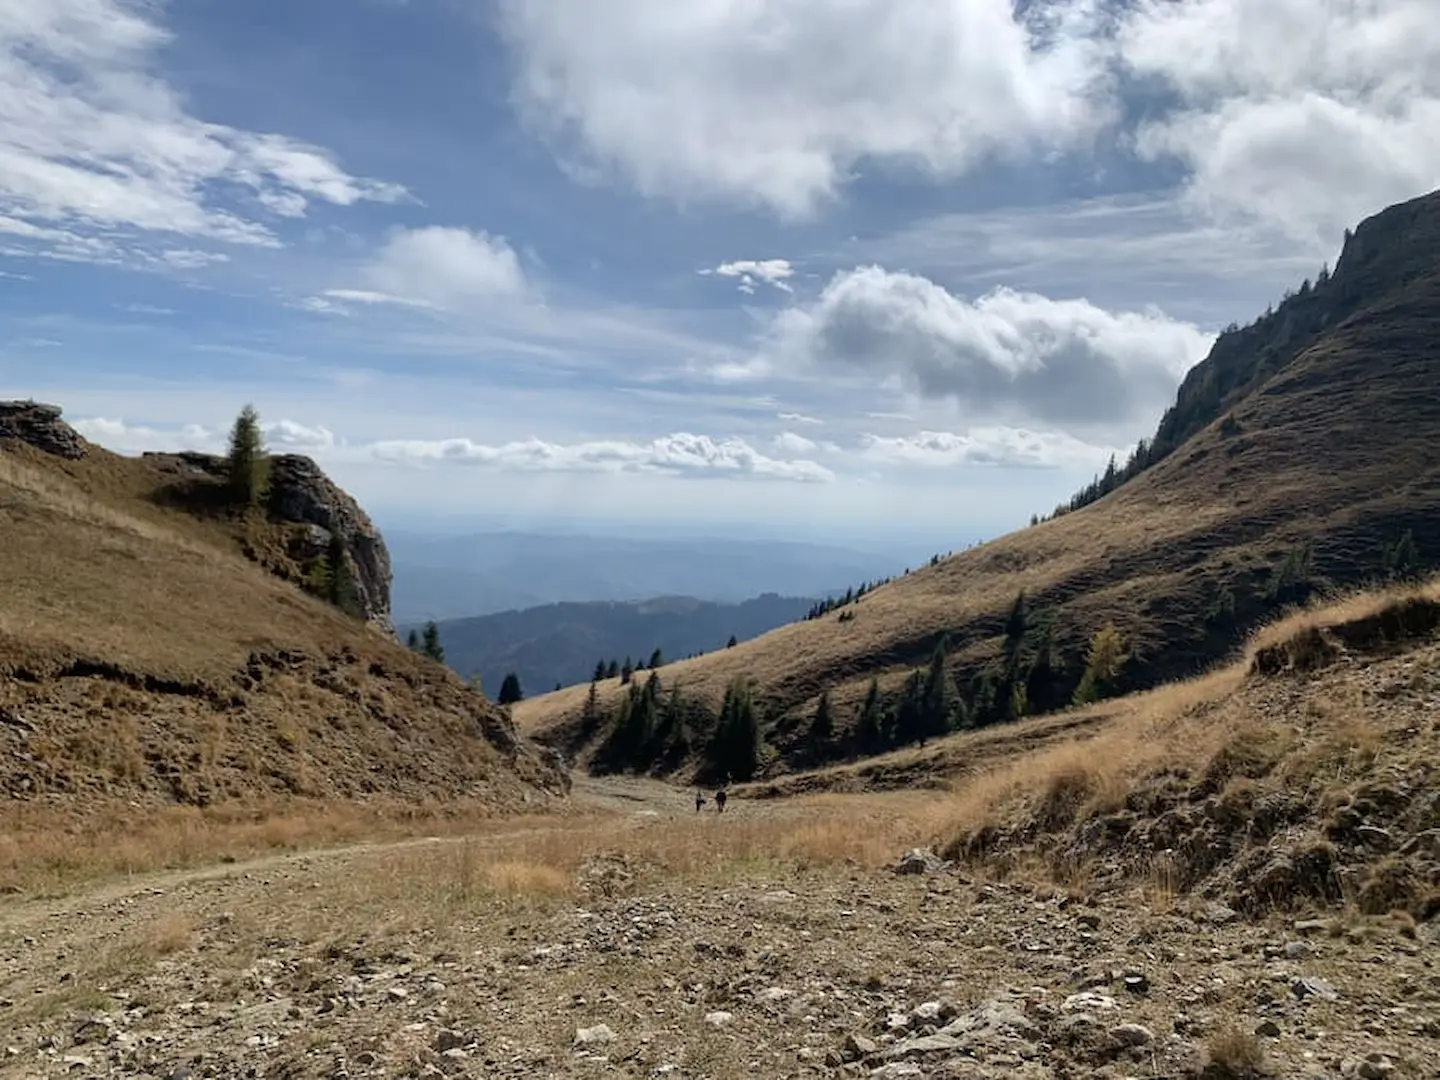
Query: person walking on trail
x=699 y=801
x=720 y=797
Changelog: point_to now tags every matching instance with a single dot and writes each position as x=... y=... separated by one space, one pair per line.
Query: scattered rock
x=1132 y=1035
x=1308 y=987
x=920 y=861
x=599 y=1035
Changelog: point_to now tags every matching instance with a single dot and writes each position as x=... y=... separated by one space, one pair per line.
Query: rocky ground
x=463 y=959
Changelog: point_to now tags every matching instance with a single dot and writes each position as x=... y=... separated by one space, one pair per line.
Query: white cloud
x=1009 y=355
x=787 y=442
x=1004 y=446
x=126 y=438
x=286 y=436
x=93 y=139
x=1300 y=116
x=771 y=271
x=440 y=267
x=190 y=259
x=798 y=418
x=681 y=453
x=146 y=309
x=782 y=102
x=281 y=437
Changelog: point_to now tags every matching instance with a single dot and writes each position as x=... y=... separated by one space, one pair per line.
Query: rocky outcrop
x=301 y=494
x=40 y=426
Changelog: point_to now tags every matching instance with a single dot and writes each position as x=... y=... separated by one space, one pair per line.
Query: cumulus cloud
x=770 y=271
x=787 y=442
x=1005 y=446
x=93 y=140
x=681 y=454
x=780 y=102
x=798 y=418
x=1299 y=117
x=1009 y=354
x=286 y=436
x=281 y=436
x=127 y=438
x=439 y=267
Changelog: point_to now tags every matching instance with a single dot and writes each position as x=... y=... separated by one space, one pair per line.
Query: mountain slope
x=560 y=643
x=145 y=660
x=1307 y=444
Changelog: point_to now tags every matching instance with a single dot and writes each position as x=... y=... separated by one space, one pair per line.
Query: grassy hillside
x=146 y=662
x=561 y=643
x=1304 y=456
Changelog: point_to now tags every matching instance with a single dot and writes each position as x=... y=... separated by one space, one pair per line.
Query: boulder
x=40 y=426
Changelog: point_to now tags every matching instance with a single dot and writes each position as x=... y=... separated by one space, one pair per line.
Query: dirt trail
x=607 y=795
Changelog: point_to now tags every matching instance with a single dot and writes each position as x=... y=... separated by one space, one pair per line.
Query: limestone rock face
x=300 y=492
x=41 y=427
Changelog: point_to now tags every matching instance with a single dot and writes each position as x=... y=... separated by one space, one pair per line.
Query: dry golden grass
x=926 y=602
x=154 y=663
x=1235 y=1054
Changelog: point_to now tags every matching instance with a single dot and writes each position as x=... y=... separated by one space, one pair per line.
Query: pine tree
x=247 y=466
x=613 y=670
x=626 y=671
x=736 y=747
x=510 y=691
x=590 y=718
x=869 y=730
x=1402 y=558
x=822 y=727
x=599 y=672
x=341 y=587
x=657 y=660
x=938 y=700
x=430 y=643
x=731 y=643
x=413 y=641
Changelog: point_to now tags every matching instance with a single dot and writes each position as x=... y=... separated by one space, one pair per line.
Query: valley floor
x=639 y=938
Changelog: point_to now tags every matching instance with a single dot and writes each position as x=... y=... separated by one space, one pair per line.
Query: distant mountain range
x=560 y=643
x=453 y=577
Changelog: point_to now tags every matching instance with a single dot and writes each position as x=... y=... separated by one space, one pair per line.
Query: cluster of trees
x=832 y=603
x=652 y=726
x=658 y=727
x=427 y=642
x=610 y=669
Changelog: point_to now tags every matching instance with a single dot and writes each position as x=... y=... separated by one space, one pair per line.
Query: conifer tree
x=430 y=643
x=735 y=749
x=590 y=718
x=510 y=691
x=247 y=466
x=341 y=587
x=869 y=726
x=822 y=727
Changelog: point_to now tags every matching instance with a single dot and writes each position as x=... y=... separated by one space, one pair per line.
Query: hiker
x=699 y=801
x=720 y=801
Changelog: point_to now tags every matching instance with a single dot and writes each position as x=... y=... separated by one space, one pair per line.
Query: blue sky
x=887 y=266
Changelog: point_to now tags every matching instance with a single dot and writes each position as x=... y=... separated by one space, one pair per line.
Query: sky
x=810 y=268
